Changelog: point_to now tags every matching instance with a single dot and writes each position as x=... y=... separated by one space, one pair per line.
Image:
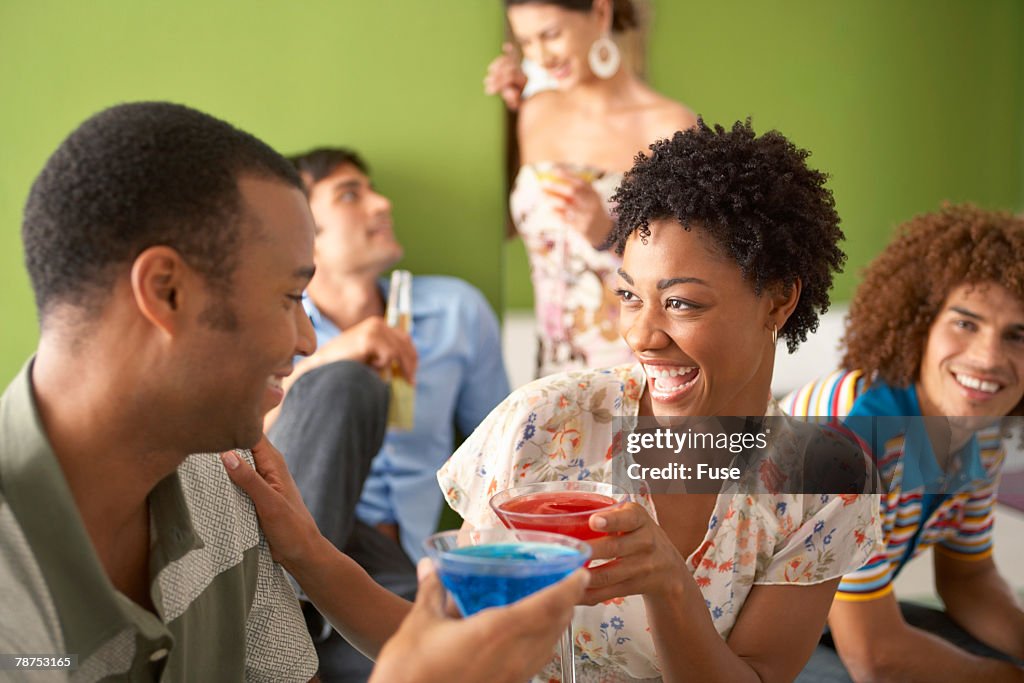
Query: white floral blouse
x=561 y=427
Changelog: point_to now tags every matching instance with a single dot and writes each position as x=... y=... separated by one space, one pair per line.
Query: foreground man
x=168 y=252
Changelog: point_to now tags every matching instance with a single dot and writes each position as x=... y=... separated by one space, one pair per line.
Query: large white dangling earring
x=604 y=57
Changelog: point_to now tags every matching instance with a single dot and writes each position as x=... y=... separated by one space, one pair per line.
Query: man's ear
x=158 y=277
x=784 y=298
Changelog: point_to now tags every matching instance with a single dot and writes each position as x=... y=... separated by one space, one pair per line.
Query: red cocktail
x=560 y=512
x=561 y=507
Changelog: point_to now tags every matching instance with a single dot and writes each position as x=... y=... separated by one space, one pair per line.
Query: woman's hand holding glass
x=578 y=204
x=291 y=532
x=643 y=560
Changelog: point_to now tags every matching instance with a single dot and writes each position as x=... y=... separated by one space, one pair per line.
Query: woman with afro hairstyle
x=934 y=362
x=728 y=242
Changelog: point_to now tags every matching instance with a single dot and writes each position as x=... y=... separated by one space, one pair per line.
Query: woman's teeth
x=665 y=373
x=671 y=379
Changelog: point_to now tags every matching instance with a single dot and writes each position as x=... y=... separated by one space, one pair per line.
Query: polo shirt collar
x=884 y=412
x=91 y=611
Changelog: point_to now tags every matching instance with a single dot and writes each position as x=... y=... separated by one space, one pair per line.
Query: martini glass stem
x=566 y=655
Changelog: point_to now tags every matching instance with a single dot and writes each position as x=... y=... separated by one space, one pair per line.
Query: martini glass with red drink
x=561 y=507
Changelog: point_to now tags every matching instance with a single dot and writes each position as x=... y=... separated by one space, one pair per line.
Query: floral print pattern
x=561 y=427
x=577 y=311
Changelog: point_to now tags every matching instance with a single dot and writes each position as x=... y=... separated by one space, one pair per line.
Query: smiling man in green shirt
x=168 y=253
x=142 y=233
x=218 y=604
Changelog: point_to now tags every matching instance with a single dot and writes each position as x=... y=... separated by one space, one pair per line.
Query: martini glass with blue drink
x=484 y=568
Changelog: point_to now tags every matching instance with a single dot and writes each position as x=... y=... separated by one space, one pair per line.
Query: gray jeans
x=826 y=667
x=331 y=426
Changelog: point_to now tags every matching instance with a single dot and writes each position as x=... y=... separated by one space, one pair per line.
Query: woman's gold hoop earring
x=775 y=335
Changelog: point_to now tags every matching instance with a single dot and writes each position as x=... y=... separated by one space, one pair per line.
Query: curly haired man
x=933 y=364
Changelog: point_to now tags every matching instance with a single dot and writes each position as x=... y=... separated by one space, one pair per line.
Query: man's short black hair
x=317 y=164
x=756 y=200
x=135 y=176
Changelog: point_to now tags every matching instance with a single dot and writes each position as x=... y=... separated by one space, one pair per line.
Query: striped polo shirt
x=224 y=611
x=916 y=516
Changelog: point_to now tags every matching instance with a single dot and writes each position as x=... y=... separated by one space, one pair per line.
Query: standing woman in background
x=575 y=141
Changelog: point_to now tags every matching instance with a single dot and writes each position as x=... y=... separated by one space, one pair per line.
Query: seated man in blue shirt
x=372 y=491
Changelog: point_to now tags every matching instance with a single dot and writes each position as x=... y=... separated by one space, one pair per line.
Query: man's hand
x=498 y=645
x=370 y=342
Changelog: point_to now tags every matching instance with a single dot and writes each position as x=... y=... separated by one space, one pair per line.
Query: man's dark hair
x=135 y=176
x=317 y=164
x=754 y=198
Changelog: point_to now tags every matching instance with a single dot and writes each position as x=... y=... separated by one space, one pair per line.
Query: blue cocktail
x=495 y=567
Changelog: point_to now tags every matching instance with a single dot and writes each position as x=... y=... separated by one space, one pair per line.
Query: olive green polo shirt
x=224 y=609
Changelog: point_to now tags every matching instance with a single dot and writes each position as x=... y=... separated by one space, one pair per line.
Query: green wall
x=400 y=81
x=904 y=102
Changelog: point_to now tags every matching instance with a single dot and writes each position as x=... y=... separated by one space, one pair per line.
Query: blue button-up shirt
x=460 y=378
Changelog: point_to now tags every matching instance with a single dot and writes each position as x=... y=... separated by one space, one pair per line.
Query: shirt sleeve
x=871 y=581
x=836 y=535
x=555 y=428
x=28 y=622
x=278 y=646
x=830 y=396
x=484 y=382
x=483 y=464
x=874 y=578
x=972 y=536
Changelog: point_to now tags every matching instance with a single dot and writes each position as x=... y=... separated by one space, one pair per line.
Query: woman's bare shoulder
x=539 y=118
x=542 y=105
x=668 y=115
x=679 y=116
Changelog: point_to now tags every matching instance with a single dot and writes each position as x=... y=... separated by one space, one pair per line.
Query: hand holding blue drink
x=495 y=567
x=539 y=580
